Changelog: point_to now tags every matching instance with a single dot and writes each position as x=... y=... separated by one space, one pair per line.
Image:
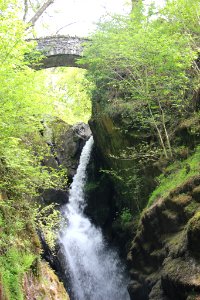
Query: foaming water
x=95 y=271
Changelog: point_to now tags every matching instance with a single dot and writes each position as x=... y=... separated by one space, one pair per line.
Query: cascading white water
x=95 y=271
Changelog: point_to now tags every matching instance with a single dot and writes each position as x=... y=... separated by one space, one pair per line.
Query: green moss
x=19 y=245
x=179 y=173
x=176 y=242
x=192 y=124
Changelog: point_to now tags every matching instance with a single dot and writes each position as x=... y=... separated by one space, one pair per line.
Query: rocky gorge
x=163 y=256
x=146 y=205
x=161 y=243
x=109 y=210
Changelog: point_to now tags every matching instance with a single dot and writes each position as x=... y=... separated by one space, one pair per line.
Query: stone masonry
x=60 y=51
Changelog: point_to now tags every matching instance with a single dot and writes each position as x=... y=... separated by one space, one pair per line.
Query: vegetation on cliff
x=149 y=60
x=70 y=90
x=26 y=106
x=176 y=174
x=144 y=68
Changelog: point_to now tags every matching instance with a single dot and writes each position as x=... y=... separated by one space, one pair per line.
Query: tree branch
x=65 y=27
x=40 y=11
x=25 y=9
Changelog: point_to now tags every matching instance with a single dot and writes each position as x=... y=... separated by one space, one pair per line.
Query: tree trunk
x=159 y=133
x=134 y=2
x=25 y=9
x=165 y=129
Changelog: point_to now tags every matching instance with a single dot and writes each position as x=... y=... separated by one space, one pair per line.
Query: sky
x=78 y=17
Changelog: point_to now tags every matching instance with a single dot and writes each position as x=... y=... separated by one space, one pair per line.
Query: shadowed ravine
x=95 y=271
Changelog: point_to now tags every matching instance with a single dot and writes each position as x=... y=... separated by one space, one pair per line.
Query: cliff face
x=128 y=155
x=66 y=143
x=128 y=148
x=119 y=169
x=164 y=257
x=119 y=136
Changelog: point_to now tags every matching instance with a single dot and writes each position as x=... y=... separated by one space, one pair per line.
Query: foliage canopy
x=25 y=101
x=150 y=60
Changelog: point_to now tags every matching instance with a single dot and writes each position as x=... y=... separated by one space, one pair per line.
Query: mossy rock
x=196 y=193
x=193 y=234
x=180 y=278
x=191 y=209
x=169 y=221
x=176 y=244
x=182 y=199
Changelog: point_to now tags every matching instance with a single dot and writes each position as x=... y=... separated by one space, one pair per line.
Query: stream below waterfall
x=95 y=270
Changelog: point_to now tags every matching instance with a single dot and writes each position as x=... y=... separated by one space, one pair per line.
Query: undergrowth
x=176 y=174
x=19 y=246
x=13 y=265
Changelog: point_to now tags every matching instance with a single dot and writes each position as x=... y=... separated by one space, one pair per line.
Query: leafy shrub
x=177 y=174
x=125 y=216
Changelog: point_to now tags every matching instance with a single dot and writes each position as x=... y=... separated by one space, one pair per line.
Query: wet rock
x=138 y=291
x=57 y=196
x=180 y=277
x=196 y=193
x=44 y=286
x=66 y=143
x=193 y=234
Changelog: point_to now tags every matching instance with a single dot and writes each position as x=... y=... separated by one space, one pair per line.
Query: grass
x=17 y=252
x=13 y=265
x=179 y=172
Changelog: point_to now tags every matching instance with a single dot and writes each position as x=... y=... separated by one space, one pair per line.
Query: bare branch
x=40 y=11
x=65 y=27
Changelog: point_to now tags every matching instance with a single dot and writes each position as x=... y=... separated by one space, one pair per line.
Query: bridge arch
x=60 y=51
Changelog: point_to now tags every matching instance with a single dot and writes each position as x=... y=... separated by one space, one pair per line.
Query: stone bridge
x=60 y=51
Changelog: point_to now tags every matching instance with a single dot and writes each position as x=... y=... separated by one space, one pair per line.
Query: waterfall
x=95 y=270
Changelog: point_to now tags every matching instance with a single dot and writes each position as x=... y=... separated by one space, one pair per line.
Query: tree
x=24 y=103
x=134 y=3
x=149 y=62
x=71 y=93
x=38 y=10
